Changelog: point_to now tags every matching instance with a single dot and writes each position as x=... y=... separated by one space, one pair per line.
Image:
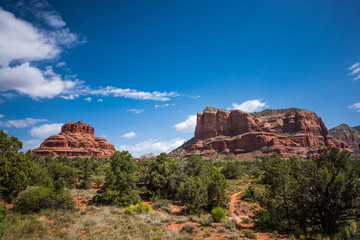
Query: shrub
x=35 y=199
x=249 y=234
x=187 y=228
x=350 y=232
x=218 y=214
x=138 y=209
x=232 y=171
x=2 y=217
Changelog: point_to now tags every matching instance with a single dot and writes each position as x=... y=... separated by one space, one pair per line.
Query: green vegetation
x=15 y=167
x=2 y=217
x=139 y=208
x=218 y=214
x=195 y=183
x=37 y=198
x=314 y=198
x=319 y=194
x=120 y=182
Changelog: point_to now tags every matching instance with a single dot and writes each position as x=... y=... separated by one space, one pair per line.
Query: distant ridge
x=348 y=135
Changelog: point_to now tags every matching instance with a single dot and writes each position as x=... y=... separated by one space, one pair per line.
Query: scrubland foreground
x=177 y=198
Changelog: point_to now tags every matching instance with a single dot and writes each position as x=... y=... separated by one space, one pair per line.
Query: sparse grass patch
x=188 y=228
x=249 y=234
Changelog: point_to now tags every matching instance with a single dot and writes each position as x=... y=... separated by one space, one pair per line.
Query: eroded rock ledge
x=75 y=139
x=285 y=133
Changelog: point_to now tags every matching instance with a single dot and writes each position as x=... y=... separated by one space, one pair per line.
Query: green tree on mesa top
x=15 y=167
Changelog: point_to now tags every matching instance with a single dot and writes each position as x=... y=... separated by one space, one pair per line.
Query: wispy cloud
x=129 y=93
x=2 y=115
x=46 y=130
x=129 y=135
x=88 y=99
x=188 y=125
x=354 y=71
x=21 y=123
x=250 y=105
x=355 y=106
x=135 y=111
x=164 y=105
x=152 y=146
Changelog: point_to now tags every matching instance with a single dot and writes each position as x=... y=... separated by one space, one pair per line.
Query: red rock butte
x=75 y=140
x=285 y=133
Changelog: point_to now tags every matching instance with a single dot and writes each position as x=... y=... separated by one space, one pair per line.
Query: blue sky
x=138 y=71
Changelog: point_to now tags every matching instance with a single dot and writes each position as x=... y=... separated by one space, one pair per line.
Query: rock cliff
x=75 y=139
x=285 y=133
x=348 y=135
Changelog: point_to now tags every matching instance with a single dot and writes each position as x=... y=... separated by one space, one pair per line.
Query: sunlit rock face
x=75 y=140
x=285 y=133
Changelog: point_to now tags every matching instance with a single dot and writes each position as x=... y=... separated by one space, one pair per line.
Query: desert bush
x=218 y=214
x=249 y=234
x=37 y=198
x=320 y=193
x=57 y=170
x=2 y=217
x=232 y=170
x=195 y=183
x=204 y=220
x=188 y=228
x=139 y=208
x=350 y=232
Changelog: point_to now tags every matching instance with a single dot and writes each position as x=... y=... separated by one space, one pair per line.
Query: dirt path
x=238 y=216
x=233 y=202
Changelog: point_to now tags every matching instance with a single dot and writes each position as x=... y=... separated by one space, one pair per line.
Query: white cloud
x=53 y=19
x=100 y=100
x=22 y=123
x=355 y=71
x=61 y=64
x=2 y=115
x=356 y=107
x=23 y=42
x=130 y=93
x=70 y=96
x=188 y=125
x=250 y=105
x=46 y=130
x=129 y=135
x=31 y=144
x=152 y=146
x=88 y=99
x=135 y=111
x=33 y=82
x=164 y=105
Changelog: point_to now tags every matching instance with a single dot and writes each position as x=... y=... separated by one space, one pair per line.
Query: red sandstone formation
x=284 y=133
x=348 y=135
x=75 y=139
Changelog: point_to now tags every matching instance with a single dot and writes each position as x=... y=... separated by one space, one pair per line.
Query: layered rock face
x=284 y=133
x=348 y=135
x=75 y=139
